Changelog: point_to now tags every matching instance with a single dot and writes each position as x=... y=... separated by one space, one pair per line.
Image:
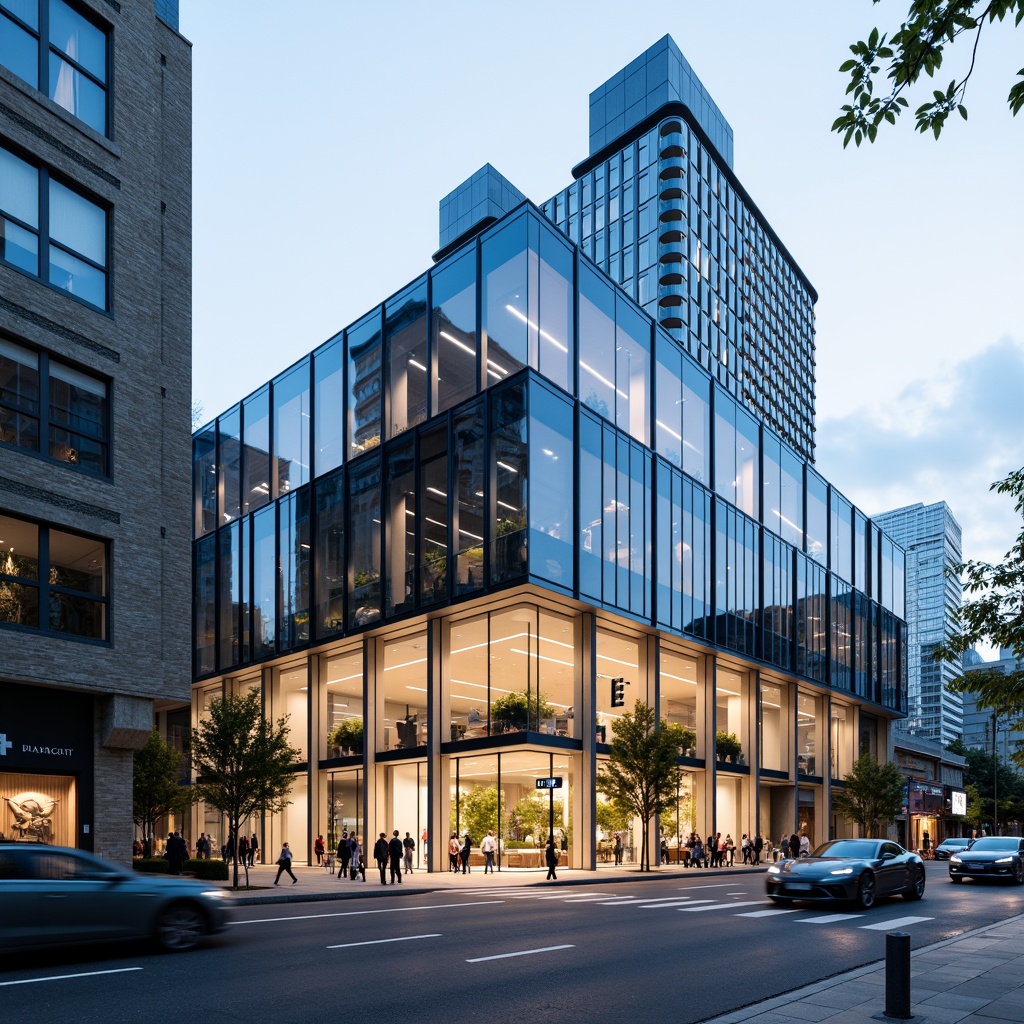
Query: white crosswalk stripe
x=767 y=913
x=722 y=906
x=900 y=922
x=829 y=918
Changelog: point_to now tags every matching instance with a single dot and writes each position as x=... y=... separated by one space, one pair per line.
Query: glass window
x=731 y=725
x=400 y=528
x=229 y=463
x=408 y=368
x=597 y=343
x=776 y=718
x=470 y=464
x=508 y=470
x=78 y=65
x=330 y=555
x=808 y=734
x=293 y=545
x=555 y=332
x=78 y=578
x=78 y=419
x=842 y=740
x=810 y=619
x=777 y=617
x=681 y=679
x=363 y=342
x=632 y=362
x=792 y=518
x=668 y=421
x=364 y=536
x=454 y=330
x=725 y=446
x=329 y=405
x=737 y=571
x=591 y=509
x=696 y=422
x=624 y=659
x=256 y=423
x=402 y=692
x=19 y=573
x=204 y=480
x=78 y=245
x=19 y=47
x=817 y=517
x=841 y=624
x=341 y=678
x=433 y=517
x=289 y=698
x=509 y=304
x=264 y=582
x=19 y=213
x=748 y=485
x=204 y=601
x=841 y=535
x=19 y=396
x=291 y=429
x=551 y=500
x=229 y=594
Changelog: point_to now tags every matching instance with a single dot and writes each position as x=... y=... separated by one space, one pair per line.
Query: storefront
x=46 y=766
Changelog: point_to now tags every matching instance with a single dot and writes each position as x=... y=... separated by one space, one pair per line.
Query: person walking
x=356 y=851
x=284 y=863
x=551 y=858
x=745 y=847
x=380 y=855
x=344 y=854
x=805 y=845
x=464 y=854
x=176 y=852
x=395 y=851
x=617 y=849
x=730 y=849
x=487 y=847
x=409 y=845
x=243 y=850
x=319 y=849
x=453 y=853
x=254 y=849
x=794 y=846
x=784 y=847
x=698 y=853
x=758 y=847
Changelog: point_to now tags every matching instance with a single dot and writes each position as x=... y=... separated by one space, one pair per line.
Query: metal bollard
x=897 y=975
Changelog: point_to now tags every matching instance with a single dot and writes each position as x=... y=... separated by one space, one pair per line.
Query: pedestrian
x=175 y=852
x=395 y=852
x=730 y=849
x=453 y=853
x=758 y=847
x=698 y=853
x=380 y=855
x=794 y=846
x=617 y=849
x=409 y=845
x=426 y=848
x=254 y=849
x=464 y=854
x=319 y=850
x=344 y=854
x=487 y=848
x=356 y=853
x=805 y=845
x=243 y=850
x=284 y=863
x=784 y=847
x=664 y=850
x=551 y=858
x=229 y=847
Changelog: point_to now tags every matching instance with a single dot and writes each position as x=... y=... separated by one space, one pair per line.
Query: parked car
x=948 y=847
x=990 y=857
x=855 y=870
x=54 y=896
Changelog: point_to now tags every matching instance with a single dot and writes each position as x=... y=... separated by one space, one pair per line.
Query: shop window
x=39 y=808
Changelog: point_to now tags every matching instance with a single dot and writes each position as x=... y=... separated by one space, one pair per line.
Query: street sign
x=555 y=783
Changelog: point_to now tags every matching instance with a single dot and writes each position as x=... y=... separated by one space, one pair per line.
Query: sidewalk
x=975 y=978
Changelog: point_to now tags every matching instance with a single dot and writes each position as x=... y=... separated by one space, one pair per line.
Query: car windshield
x=994 y=843
x=954 y=842
x=854 y=849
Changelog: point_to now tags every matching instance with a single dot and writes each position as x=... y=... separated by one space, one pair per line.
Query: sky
x=323 y=141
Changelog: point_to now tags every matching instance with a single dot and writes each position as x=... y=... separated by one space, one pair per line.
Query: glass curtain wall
x=469 y=465
x=619 y=658
x=681 y=683
x=776 y=725
x=341 y=705
x=291 y=462
x=509 y=466
x=229 y=441
x=329 y=402
x=363 y=407
x=454 y=331
x=402 y=715
x=733 y=742
x=551 y=447
x=330 y=555
x=256 y=449
x=809 y=722
x=405 y=327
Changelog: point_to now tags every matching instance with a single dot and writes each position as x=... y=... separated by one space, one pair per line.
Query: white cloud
x=946 y=437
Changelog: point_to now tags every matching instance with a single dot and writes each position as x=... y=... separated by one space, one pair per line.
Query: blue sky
x=326 y=132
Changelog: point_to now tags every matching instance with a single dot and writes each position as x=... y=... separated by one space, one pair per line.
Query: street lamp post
x=995 y=778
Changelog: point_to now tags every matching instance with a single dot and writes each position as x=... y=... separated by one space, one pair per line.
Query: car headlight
x=842 y=871
x=955 y=859
x=773 y=870
x=214 y=894
x=1006 y=860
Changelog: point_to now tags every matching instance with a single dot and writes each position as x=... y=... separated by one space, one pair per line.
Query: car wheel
x=180 y=927
x=1018 y=873
x=956 y=879
x=916 y=888
x=866 y=891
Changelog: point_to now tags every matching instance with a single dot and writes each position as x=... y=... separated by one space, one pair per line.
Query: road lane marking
x=829 y=918
x=576 y=896
x=710 y=885
x=721 y=906
x=765 y=913
x=639 y=902
x=360 y=913
x=377 y=942
x=900 y=922
x=521 y=952
x=66 y=977
x=683 y=901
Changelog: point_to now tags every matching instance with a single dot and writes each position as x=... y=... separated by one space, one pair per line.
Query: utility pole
x=995 y=778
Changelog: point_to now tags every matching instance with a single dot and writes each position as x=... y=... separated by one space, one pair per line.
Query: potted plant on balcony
x=347 y=736
x=684 y=737
x=516 y=712
x=727 y=746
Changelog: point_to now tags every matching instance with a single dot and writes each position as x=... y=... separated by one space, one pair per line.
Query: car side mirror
x=887 y=855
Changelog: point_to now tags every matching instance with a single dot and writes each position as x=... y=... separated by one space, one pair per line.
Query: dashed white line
x=521 y=952
x=378 y=942
x=766 y=913
x=66 y=977
x=360 y=913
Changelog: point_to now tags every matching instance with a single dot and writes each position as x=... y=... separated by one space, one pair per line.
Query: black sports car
x=990 y=857
x=948 y=847
x=855 y=870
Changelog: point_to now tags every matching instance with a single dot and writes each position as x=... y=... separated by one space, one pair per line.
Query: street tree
x=872 y=796
x=916 y=49
x=243 y=761
x=642 y=772
x=156 y=784
x=993 y=614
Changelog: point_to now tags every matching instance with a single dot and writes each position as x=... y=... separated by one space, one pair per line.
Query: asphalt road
x=681 y=949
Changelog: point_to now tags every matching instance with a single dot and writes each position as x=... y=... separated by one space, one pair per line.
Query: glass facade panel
x=341 y=677
x=264 y=583
x=402 y=692
x=624 y=658
x=842 y=740
x=817 y=517
x=330 y=555
x=469 y=467
x=291 y=429
x=556 y=357
x=551 y=500
x=792 y=518
x=229 y=595
x=329 y=405
x=256 y=423
x=811 y=607
x=408 y=367
x=632 y=370
x=509 y=304
x=748 y=484
x=776 y=725
x=433 y=517
x=454 y=331
x=78 y=429
x=841 y=624
x=809 y=734
x=400 y=528
x=364 y=538
x=597 y=343
x=290 y=699
x=19 y=396
x=681 y=682
x=777 y=617
x=364 y=350
x=509 y=467
x=840 y=535
x=229 y=465
x=732 y=696
x=696 y=423
x=204 y=601
x=725 y=446
x=293 y=601
x=204 y=480
x=737 y=580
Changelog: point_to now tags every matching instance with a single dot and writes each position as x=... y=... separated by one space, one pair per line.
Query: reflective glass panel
x=264 y=582
x=363 y=530
x=229 y=437
x=293 y=626
x=256 y=419
x=79 y=39
x=77 y=224
x=363 y=343
x=597 y=343
x=551 y=500
x=329 y=406
x=408 y=368
x=19 y=50
x=229 y=593
x=291 y=429
x=204 y=601
x=400 y=528
x=341 y=678
x=402 y=690
x=433 y=516
x=682 y=699
x=509 y=307
x=509 y=471
x=470 y=464
x=776 y=720
x=19 y=396
x=808 y=734
x=454 y=330
x=330 y=555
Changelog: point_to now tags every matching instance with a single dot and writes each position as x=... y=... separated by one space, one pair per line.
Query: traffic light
x=619 y=692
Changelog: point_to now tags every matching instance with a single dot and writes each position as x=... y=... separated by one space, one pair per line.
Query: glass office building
x=444 y=541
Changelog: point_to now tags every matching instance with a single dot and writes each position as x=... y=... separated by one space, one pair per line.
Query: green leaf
x=963 y=111
x=847 y=65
